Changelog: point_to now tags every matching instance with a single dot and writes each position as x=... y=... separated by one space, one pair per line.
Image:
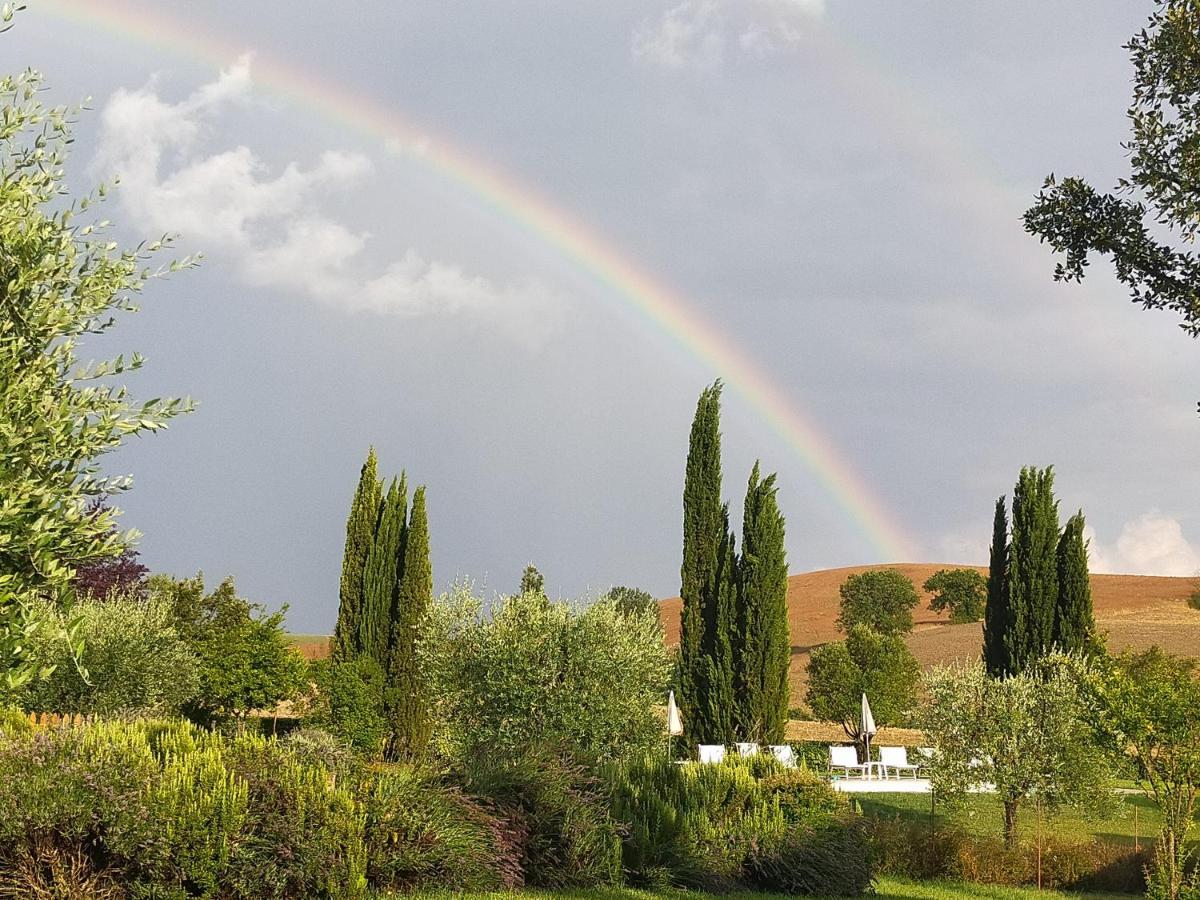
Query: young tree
x=1146 y=704
x=1027 y=734
x=997 y=614
x=882 y=599
x=382 y=575
x=62 y=280
x=631 y=600
x=705 y=530
x=867 y=662
x=361 y=526
x=961 y=591
x=407 y=695
x=1031 y=584
x=1074 y=620
x=1162 y=191
x=114 y=576
x=765 y=647
x=532 y=581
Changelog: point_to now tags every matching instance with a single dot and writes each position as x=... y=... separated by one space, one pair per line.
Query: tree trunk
x=1010 y=822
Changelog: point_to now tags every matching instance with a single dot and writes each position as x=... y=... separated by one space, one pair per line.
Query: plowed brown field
x=1136 y=611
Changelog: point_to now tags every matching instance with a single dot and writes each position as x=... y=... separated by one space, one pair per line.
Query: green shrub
x=349 y=703
x=744 y=822
x=832 y=857
x=13 y=721
x=421 y=834
x=1193 y=600
x=320 y=748
x=561 y=811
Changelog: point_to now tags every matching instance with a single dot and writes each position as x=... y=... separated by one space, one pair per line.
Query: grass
x=887 y=889
x=983 y=815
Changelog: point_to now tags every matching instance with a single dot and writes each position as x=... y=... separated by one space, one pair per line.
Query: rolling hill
x=1136 y=611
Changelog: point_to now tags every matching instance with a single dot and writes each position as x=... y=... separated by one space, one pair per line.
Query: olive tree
x=962 y=592
x=882 y=599
x=61 y=282
x=536 y=673
x=1027 y=735
x=878 y=665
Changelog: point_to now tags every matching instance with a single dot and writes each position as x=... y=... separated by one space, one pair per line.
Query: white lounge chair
x=896 y=758
x=747 y=749
x=712 y=753
x=784 y=755
x=846 y=758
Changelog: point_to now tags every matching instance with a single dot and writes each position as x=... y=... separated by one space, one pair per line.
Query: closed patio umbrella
x=867 y=727
x=674 y=720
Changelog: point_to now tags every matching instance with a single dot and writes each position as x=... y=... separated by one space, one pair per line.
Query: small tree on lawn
x=1147 y=705
x=882 y=599
x=878 y=665
x=1028 y=735
x=961 y=591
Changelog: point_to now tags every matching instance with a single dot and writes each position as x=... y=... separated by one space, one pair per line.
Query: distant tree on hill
x=867 y=662
x=360 y=536
x=631 y=601
x=882 y=599
x=961 y=591
x=764 y=647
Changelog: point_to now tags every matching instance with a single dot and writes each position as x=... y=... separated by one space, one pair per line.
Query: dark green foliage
x=996 y=656
x=384 y=569
x=532 y=581
x=739 y=824
x=422 y=834
x=712 y=716
x=360 y=536
x=350 y=702
x=832 y=858
x=1074 y=621
x=705 y=530
x=1162 y=189
x=632 y=601
x=882 y=599
x=1032 y=577
x=406 y=693
x=879 y=665
x=961 y=591
x=561 y=811
x=765 y=647
x=1193 y=600
x=244 y=660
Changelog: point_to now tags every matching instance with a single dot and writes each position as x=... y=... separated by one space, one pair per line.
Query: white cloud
x=1152 y=544
x=698 y=33
x=272 y=226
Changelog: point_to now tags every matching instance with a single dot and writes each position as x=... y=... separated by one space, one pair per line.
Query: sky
x=507 y=245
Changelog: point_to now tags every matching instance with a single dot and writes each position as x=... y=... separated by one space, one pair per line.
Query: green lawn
x=982 y=814
x=888 y=889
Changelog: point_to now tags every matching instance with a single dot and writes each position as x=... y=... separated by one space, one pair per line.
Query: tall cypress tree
x=704 y=532
x=714 y=713
x=764 y=646
x=407 y=699
x=1032 y=568
x=1074 y=619
x=360 y=535
x=381 y=579
x=996 y=615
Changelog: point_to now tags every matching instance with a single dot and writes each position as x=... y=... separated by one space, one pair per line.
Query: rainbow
x=519 y=206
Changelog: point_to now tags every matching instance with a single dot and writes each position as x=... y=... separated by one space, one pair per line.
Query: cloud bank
x=1151 y=544
x=273 y=226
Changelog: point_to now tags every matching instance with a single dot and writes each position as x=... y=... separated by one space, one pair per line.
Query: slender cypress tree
x=714 y=714
x=704 y=532
x=407 y=701
x=360 y=535
x=996 y=614
x=764 y=647
x=384 y=564
x=1032 y=568
x=1074 y=619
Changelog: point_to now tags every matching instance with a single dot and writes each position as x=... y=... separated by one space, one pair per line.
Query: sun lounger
x=746 y=750
x=784 y=754
x=845 y=758
x=712 y=753
x=896 y=758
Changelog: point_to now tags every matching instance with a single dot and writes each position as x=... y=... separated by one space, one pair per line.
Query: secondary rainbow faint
x=519 y=205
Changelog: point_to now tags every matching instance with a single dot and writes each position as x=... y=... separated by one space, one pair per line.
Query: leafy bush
x=349 y=702
x=561 y=811
x=744 y=822
x=133 y=660
x=537 y=673
x=879 y=665
x=421 y=834
x=1193 y=600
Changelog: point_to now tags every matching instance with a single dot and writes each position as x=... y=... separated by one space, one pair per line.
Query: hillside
x=1135 y=610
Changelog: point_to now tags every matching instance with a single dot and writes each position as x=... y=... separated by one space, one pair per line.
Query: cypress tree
x=764 y=647
x=1032 y=576
x=1074 y=619
x=407 y=701
x=360 y=535
x=996 y=613
x=705 y=531
x=384 y=565
x=714 y=715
